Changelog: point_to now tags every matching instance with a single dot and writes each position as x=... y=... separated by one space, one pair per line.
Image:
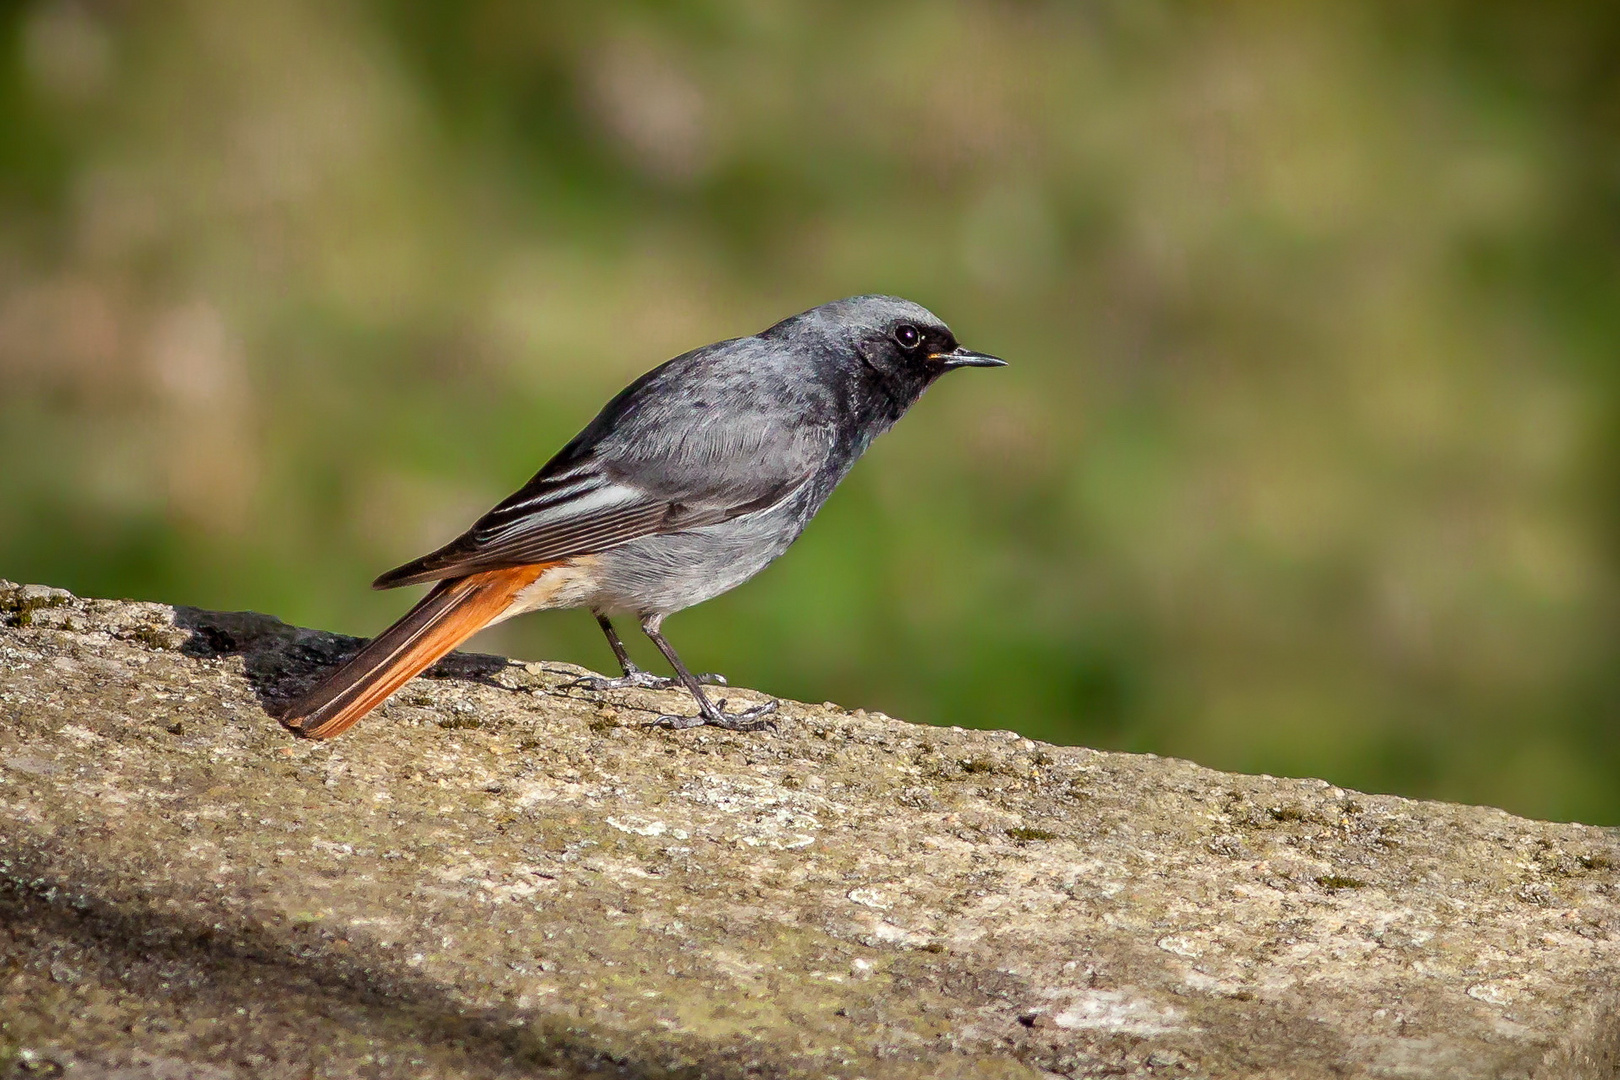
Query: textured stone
x=497 y=875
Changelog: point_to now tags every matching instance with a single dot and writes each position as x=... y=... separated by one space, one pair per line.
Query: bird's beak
x=960 y=357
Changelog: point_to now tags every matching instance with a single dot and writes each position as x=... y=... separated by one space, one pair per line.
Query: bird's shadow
x=141 y=946
x=280 y=661
x=257 y=970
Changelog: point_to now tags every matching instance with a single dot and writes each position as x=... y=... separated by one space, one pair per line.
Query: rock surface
x=498 y=875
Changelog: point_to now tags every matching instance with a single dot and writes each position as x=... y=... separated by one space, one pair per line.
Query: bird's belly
x=571 y=583
x=676 y=570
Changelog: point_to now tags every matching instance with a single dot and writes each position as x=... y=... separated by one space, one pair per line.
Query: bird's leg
x=633 y=675
x=619 y=652
x=708 y=713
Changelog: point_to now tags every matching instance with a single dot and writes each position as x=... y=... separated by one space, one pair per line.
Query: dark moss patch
x=17 y=607
x=153 y=637
x=1026 y=835
x=1339 y=881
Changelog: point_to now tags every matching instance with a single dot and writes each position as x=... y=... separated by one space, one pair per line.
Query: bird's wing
x=639 y=476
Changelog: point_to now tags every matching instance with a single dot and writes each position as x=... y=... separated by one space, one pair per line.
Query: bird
x=689 y=482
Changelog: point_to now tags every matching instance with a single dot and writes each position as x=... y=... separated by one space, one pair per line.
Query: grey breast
x=671 y=571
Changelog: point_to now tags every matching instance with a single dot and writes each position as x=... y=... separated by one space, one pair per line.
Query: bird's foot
x=636 y=679
x=755 y=719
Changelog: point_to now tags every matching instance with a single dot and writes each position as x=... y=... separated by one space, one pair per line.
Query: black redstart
x=687 y=484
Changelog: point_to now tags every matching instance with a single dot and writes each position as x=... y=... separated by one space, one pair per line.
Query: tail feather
x=453 y=612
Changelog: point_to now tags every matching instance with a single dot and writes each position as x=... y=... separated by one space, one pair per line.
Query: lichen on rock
x=499 y=875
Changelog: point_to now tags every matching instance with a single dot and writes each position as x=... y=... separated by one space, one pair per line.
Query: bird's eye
x=907 y=335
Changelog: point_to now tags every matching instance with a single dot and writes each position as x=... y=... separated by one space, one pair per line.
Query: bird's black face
x=915 y=350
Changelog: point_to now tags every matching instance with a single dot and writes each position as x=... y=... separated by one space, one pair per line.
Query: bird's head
x=900 y=340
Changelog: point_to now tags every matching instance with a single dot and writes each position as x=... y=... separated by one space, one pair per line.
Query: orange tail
x=453 y=612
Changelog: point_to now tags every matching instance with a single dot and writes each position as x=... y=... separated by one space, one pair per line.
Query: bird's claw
x=632 y=680
x=755 y=719
x=637 y=679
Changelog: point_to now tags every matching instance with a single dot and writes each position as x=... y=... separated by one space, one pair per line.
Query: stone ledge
x=495 y=875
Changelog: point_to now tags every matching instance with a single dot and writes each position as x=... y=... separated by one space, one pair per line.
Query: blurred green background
x=1308 y=462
